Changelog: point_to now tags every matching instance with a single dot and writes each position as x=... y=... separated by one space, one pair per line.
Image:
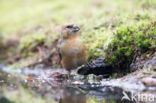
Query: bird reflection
x=71 y=95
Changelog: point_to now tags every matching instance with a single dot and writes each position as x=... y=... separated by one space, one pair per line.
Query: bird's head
x=70 y=31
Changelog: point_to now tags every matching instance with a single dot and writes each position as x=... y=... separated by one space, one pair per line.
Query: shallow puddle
x=54 y=86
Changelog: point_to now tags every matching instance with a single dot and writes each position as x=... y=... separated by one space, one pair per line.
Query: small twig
x=43 y=60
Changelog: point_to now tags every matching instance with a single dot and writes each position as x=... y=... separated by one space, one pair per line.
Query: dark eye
x=69 y=26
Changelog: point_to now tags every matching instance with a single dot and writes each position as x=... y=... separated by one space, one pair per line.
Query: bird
x=73 y=52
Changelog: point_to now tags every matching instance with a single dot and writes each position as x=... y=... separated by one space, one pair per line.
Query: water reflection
x=71 y=95
x=61 y=90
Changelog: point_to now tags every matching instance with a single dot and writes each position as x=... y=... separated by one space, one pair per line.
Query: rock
x=150 y=64
x=57 y=75
x=149 y=81
x=146 y=62
x=97 y=67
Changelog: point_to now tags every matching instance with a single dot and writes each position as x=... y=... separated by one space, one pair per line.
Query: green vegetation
x=130 y=42
x=38 y=22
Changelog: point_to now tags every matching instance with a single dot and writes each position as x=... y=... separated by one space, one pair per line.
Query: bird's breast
x=71 y=48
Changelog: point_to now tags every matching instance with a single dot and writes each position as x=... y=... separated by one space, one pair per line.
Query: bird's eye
x=69 y=26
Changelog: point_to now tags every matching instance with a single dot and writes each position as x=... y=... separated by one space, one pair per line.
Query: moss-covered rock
x=130 y=42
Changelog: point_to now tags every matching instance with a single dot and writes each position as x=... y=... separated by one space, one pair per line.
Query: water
x=54 y=85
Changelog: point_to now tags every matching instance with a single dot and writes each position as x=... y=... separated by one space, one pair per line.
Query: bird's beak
x=76 y=28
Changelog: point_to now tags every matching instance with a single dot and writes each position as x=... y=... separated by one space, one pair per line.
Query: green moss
x=129 y=42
